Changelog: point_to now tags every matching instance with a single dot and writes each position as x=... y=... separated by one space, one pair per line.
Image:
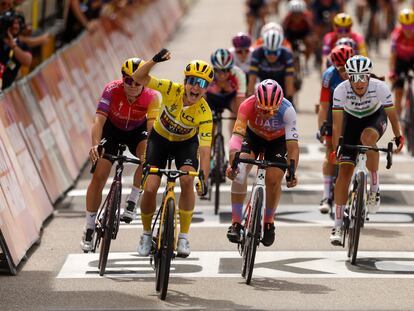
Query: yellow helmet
x=342 y=20
x=130 y=65
x=406 y=17
x=201 y=69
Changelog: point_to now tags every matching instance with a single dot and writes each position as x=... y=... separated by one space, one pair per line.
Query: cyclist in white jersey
x=361 y=106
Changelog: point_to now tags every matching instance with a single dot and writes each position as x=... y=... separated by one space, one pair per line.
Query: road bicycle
x=253 y=220
x=165 y=240
x=108 y=219
x=218 y=159
x=408 y=118
x=356 y=211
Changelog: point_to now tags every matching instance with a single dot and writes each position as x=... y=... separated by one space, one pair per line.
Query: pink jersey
x=330 y=39
x=124 y=115
x=401 y=45
x=281 y=123
x=236 y=82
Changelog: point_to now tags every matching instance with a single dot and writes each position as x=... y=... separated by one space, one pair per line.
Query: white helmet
x=271 y=26
x=297 y=6
x=358 y=64
x=272 y=40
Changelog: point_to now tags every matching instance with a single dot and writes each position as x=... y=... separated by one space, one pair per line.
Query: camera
x=6 y=21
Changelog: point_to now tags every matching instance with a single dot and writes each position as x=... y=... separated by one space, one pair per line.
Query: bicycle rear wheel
x=410 y=104
x=166 y=250
x=356 y=218
x=218 y=169
x=108 y=225
x=252 y=236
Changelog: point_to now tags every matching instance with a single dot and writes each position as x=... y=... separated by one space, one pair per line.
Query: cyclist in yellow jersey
x=182 y=129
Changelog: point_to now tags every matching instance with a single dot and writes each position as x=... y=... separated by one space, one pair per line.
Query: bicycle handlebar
x=265 y=164
x=364 y=149
x=113 y=158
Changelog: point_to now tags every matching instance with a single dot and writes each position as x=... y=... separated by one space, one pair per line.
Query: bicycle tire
x=111 y=208
x=410 y=103
x=358 y=218
x=253 y=235
x=167 y=248
x=218 y=170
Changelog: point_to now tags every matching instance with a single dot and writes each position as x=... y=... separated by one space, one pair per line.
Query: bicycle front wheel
x=252 y=236
x=166 y=250
x=356 y=218
x=108 y=225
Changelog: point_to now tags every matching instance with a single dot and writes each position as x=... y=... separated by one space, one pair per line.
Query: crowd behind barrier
x=45 y=120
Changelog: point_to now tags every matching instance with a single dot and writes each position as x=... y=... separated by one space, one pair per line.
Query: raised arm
x=141 y=75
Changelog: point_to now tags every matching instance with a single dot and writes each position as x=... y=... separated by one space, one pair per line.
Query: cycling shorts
x=219 y=102
x=115 y=136
x=353 y=128
x=159 y=149
x=274 y=150
x=293 y=36
x=402 y=68
x=374 y=5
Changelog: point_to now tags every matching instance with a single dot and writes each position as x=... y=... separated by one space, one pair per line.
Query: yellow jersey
x=177 y=122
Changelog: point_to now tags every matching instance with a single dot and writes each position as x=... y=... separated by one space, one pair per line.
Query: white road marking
x=227 y=188
x=271 y=264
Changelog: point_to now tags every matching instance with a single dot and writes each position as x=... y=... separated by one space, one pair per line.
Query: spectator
x=5 y=5
x=13 y=52
x=81 y=16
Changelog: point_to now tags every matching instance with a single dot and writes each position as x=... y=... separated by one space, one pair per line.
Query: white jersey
x=378 y=94
x=244 y=66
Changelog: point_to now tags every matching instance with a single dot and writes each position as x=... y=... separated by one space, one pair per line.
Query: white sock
x=90 y=220
x=134 y=195
x=374 y=180
x=183 y=236
x=339 y=215
x=327 y=183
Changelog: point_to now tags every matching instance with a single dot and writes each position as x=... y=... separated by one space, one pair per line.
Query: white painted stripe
x=271 y=264
x=227 y=188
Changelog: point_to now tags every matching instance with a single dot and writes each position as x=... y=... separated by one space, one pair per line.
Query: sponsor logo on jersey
x=172 y=126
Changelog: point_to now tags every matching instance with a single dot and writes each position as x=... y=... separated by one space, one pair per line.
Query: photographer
x=13 y=52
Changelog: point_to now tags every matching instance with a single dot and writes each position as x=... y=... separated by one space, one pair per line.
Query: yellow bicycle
x=165 y=240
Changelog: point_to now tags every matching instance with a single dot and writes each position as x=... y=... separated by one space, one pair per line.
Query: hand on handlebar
x=96 y=152
x=231 y=173
x=399 y=141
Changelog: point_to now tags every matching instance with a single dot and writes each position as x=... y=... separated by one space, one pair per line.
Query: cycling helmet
x=272 y=40
x=297 y=6
x=271 y=26
x=343 y=20
x=222 y=59
x=242 y=41
x=130 y=65
x=201 y=69
x=358 y=64
x=269 y=95
x=406 y=17
x=340 y=54
x=346 y=41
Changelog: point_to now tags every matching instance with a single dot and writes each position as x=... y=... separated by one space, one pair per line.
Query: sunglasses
x=242 y=51
x=129 y=81
x=354 y=78
x=218 y=71
x=197 y=81
x=270 y=53
x=343 y=29
x=408 y=27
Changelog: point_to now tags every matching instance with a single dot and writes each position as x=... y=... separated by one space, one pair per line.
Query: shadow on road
x=267 y=284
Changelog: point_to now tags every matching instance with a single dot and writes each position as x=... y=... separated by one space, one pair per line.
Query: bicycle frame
x=360 y=167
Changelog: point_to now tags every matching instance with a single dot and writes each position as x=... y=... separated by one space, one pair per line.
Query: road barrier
x=45 y=119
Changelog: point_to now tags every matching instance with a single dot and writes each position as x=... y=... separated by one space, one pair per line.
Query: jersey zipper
x=129 y=115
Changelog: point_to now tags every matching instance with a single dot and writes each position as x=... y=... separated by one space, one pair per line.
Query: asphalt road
x=301 y=271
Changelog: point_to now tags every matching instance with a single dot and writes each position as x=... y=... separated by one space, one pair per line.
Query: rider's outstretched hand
x=162 y=56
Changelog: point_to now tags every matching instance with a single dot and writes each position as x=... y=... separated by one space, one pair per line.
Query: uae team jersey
x=378 y=94
x=125 y=115
x=281 y=123
x=177 y=122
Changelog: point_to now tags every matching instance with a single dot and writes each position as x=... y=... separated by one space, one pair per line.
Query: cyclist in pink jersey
x=402 y=54
x=266 y=122
x=342 y=28
x=125 y=114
